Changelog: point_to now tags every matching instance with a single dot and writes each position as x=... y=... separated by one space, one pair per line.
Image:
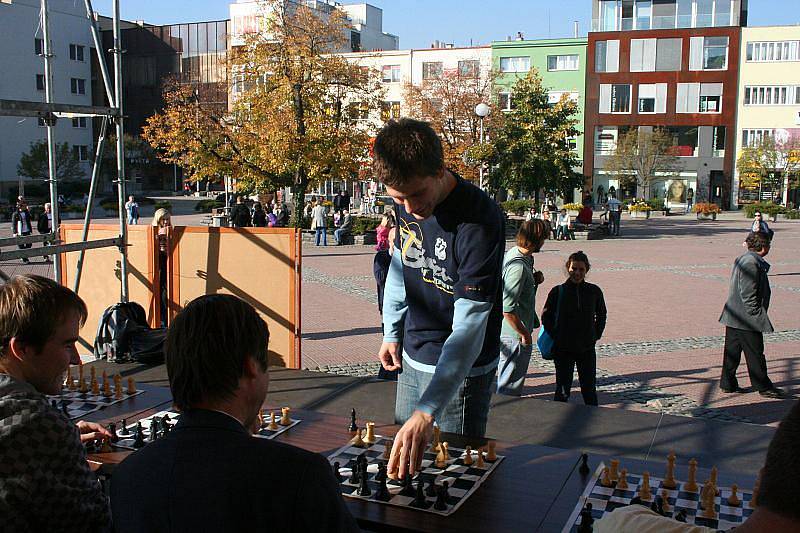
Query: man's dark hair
x=532 y=233
x=206 y=348
x=32 y=307
x=406 y=149
x=780 y=489
x=756 y=241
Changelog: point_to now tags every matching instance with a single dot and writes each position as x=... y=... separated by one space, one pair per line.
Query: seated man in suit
x=209 y=473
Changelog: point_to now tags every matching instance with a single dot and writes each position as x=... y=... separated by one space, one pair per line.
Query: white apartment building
x=769 y=93
x=366 y=33
x=22 y=65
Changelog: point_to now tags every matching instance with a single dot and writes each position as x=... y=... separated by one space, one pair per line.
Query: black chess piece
x=584 y=468
x=112 y=428
x=680 y=516
x=419 y=497
x=138 y=440
x=638 y=501
x=336 y=473
x=355 y=475
x=153 y=428
x=363 y=488
x=353 y=426
x=408 y=486
x=441 y=499
x=381 y=475
x=446 y=490
x=586 y=519
x=431 y=490
x=658 y=505
x=165 y=425
x=382 y=494
x=124 y=430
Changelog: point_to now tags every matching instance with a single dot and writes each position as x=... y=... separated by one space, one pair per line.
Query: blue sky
x=420 y=22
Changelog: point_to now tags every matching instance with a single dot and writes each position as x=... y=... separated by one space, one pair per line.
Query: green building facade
x=561 y=63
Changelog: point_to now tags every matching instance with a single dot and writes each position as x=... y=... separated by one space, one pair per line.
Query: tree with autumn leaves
x=290 y=121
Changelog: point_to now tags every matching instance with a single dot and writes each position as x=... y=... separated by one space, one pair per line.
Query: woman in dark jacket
x=259 y=217
x=581 y=311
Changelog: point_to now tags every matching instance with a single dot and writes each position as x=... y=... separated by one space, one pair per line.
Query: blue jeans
x=324 y=234
x=340 y=234
x=467 y=412
x=513 y=365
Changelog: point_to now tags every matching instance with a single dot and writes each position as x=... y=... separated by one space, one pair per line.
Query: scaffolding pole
x=98 y=46
x=50 y=122
x=98 y=160
x=123 y=228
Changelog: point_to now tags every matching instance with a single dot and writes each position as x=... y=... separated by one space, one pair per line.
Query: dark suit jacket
x=748 y=295
x=209 y=474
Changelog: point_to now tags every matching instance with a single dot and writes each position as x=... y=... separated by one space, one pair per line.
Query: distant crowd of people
x=274 y=215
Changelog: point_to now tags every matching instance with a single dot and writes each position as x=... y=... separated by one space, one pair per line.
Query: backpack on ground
x=116 y=325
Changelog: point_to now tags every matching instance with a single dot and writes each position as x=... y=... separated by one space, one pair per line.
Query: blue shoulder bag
x=545 y=341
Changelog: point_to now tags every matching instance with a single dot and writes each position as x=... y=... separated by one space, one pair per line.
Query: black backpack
x=114 y=331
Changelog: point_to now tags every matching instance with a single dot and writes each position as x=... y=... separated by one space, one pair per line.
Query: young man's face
x=419 y=196
x=46 y=369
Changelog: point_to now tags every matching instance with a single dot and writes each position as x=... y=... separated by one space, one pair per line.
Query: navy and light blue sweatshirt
x=443 y=291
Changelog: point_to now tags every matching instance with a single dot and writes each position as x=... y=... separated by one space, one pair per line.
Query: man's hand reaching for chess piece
x=91 y=431
x=410 y=444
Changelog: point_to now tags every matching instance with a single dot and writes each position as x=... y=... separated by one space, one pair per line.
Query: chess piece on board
x=644 y=488
x=286 y=419
x=363 y=487
x=586 y=519
x=680 y=516
x=353 y=428
x=733 y=499
x=272 y=426
x=153 y=428
x=131 y=386
x=382 y=493
x=83 y=387
x=105 y=447
x=106 y=387
x=369 y=438
x=468 y=456
x=708 y=494
x=355 y=474
x=605 y=478
x=117 y=386
x=440 y=461
x=95 y=385
x=436 y=435
x=92 y=373
x=584 y=468
x=713 y=480
x=336 y=473
x=691 y=483
x=387 y=450
x=622 y=484
x=138 y=440
x=408 y=486
x=445 y=450
x=480 y=463
x=419 y=497
x=124 y=429
x=754 y=498
x=669 y=479
x=70 y=382
x=382 y=474
x=613 y=470
x=357 y=441
x=432 y=489
x=112 y=428
x=441 y=497
x=665 y=507
x=491 y=454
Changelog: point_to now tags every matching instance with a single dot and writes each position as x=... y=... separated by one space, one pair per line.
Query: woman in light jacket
x=319 y=222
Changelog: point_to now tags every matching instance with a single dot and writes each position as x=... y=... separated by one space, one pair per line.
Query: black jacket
x=581 y=316
x=209 y=474
x=259 y=219
x=240 y=216
x=42 y=225
x=25 y=218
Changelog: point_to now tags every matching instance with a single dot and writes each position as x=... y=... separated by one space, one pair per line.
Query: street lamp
x=482 y=110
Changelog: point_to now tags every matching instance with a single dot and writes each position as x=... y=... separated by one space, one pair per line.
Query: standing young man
x=745 y=319
x=45 y=481
x=614 y=214
x=442 y=297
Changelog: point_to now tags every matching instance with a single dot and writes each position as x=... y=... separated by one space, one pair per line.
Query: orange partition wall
x=100 y=278
x=259 y=265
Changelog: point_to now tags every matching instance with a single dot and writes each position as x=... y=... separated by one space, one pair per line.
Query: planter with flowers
x=639 y=209
x=572 y=209
x=707 y=211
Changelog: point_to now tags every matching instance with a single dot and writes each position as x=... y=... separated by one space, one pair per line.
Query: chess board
x=463 y=480
x=606 y=499
x=76 y=404
x=126 y=440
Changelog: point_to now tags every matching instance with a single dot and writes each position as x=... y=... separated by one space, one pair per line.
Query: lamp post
x=482 y=110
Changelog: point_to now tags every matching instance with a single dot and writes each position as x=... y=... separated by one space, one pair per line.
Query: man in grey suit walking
x=745 y=319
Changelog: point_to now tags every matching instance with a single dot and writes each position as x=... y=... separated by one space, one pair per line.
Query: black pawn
x=124 y=430
x=112 y=428
x=381 y=475
x=586 y=519
x=584 y=468
x=382 y=494
x=680 y=516
x=138 y=441
x=441 y=499
x=165 y=426
x=431 y=490
x=446 y=490
x=153 y=428
x=419 y=497
x=363 y=488
x=355 y=476
x=658 y=505
x=336 y=473
x=638 y=501
x=408 y=486
x=353 y=426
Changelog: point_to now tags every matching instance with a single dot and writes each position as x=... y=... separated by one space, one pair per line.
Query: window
x=38 y=46
x=708 y=53
x=668 y=55
x=554 y=97
x=77 y=85
x=469 y=68
x=687 y=99
x=718 y=142
x=432 y=70
x=772 y=95
x=652 y=98
x=516 y=64
x=504 y=101
x=773 y=51
x=76 y=52
x=606 y=56
x=358 y=110
x=752 y=138
x=722 y=13
x=615 y=98
x=643 y=11
x=627 y=15
x=608 y=16
x=663 y=14
x=605 y=138
x=572 y=144
x=79 y=122
x=643 y=55
x=705 y=12
x=81 y=152
x=684 y=140
x=710 y=97
x=565 y=62
x=40 y=82
x=390 y=110
x=390 y=73
x=684 y=13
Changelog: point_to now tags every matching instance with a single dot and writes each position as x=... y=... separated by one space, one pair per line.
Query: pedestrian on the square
x=282 y=216
x=575 y=315
x=45 y=224
x=614 y=213
x=746 y=320
x=259 y=216
x=520 y=281
x=163 y=221
x=689 y=199
x=240 y=215
x=344 y=229
x=319 y=223
x=564 y=221
x=382 y=232
x=21 y=225
x=760 y=225
x=132 y=210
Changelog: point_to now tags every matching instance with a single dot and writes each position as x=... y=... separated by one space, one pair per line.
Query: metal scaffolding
x=50 y=112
